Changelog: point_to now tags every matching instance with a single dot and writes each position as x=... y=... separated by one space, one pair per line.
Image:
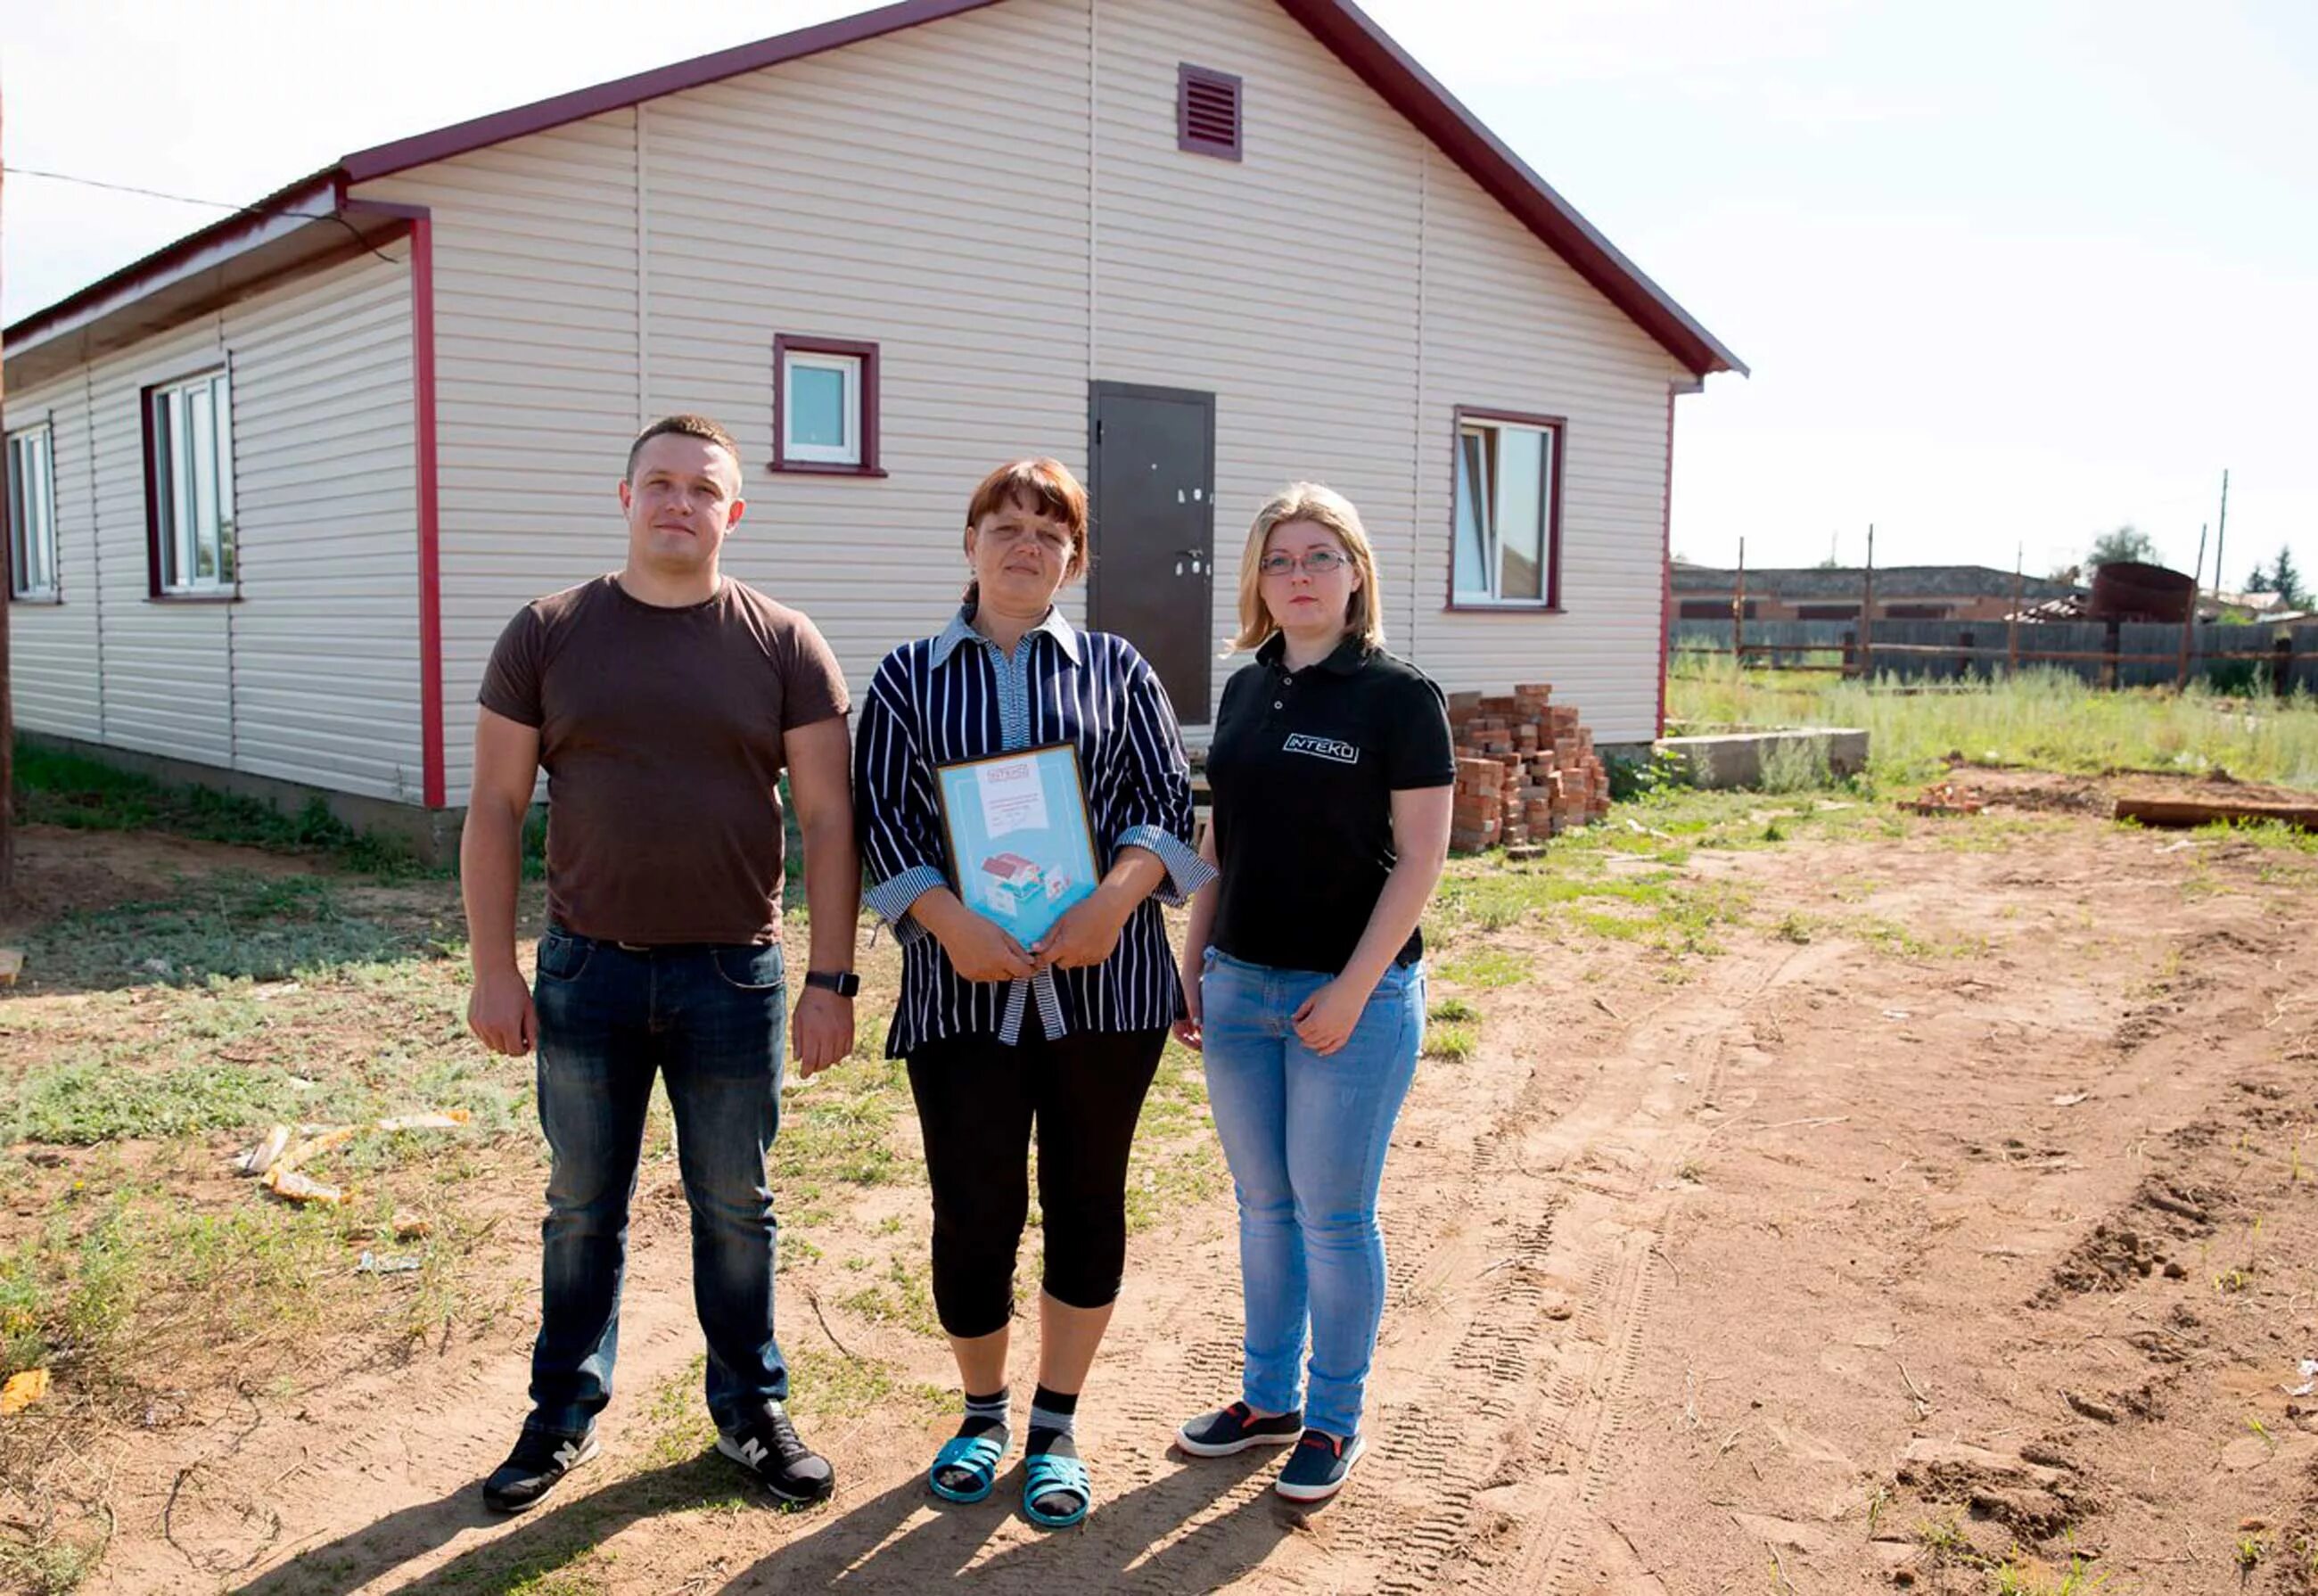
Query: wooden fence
x=2106 y=654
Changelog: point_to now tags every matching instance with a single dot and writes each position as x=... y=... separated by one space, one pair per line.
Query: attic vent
x=1207 y=113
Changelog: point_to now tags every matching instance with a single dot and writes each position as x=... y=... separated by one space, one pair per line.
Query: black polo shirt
x=1303 y=768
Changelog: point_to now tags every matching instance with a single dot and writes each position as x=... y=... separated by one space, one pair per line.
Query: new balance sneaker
x=1235 y=1428
x=768 y=1447
x=1315 y=1471
x=535 y=1467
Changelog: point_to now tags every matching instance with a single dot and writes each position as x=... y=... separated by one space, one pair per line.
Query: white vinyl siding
x=834 y=196
x=52 y=648
x=1511 y=327
x=1285 y=284
x=312 y=674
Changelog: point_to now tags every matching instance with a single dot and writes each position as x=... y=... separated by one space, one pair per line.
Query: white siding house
x=1245 y=241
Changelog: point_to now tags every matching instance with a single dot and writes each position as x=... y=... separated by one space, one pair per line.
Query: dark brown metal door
x=1155 y=533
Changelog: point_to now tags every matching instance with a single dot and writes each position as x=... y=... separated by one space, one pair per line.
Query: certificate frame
x=1019 y=836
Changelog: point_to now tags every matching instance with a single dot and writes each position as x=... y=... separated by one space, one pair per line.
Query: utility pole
x=2221 y=532
x=7 y=742
x=2189 y=621
x=1867 y=610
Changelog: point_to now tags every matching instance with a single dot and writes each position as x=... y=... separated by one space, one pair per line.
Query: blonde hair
x=1322 y=507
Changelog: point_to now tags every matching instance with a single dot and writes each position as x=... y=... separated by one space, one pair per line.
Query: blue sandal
x=979 y=1456
x=1050 y=1474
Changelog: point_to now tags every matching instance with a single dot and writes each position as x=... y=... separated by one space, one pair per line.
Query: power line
x=186 y=199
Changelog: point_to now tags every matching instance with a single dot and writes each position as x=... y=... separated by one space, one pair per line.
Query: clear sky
x=2010 y=273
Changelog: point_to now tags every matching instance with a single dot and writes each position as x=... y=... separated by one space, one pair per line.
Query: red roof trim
x=249 y=218
x=1338 y=25
x=620 y=93
x=1416 y=94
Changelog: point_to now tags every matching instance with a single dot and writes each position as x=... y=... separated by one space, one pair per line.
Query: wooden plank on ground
x=2185 y=811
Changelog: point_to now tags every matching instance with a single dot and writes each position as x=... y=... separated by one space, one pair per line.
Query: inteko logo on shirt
x=1344 y=753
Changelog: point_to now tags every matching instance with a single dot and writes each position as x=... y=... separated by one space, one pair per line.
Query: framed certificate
x=1021 y=843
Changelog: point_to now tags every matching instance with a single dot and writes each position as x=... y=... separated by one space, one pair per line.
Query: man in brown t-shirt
x=664 y=702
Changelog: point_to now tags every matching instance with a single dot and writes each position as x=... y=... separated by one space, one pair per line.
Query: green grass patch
x=840 y=1128
x=1485 y=968
x=1177 y=1163
x=1454 y=1011
x=903 y=1295
x=1453 y=1043
x=81 y=1104
x=121 y=1280
x=82 y=794
x=2041 y=719
x=229 y=926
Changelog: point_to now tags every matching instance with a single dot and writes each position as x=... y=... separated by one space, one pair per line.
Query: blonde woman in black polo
x=1332 y=770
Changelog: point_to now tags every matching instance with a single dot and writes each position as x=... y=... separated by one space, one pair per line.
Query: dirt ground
x=1945 y=1227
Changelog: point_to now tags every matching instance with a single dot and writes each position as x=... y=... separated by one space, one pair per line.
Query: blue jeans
x=709 y=1020
x=1306 y=1139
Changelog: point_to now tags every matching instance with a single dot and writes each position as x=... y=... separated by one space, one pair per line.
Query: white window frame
x=191 y=436
x=31 y=514
x=849 y=366
x=1479 y=424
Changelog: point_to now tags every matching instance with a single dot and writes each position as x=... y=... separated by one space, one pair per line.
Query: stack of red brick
x=1527 y=769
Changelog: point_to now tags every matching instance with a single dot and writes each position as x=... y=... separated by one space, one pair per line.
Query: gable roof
x=1338 y=25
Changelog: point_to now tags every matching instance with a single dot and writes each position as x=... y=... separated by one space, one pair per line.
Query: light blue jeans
x=1306 y=1139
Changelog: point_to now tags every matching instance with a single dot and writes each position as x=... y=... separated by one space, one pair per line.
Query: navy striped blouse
x=958 y=696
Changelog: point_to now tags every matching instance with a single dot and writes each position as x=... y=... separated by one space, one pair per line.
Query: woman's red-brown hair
x=1046 y=485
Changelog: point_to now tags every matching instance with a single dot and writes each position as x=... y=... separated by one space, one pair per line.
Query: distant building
x=1903 y=592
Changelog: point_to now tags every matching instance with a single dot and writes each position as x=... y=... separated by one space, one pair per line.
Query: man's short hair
x=683 y=426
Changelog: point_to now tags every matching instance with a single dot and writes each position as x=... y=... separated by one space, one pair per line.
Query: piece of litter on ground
x=2304 y=1389
x=258 y=1160
x=409 y=1226
x=445 y=1120
x=2177 y=847
x=1896 y=1013
x=2070 y=1099
x=387 y=1264
x=299 y=1188
x=315 y=1144
x=22 y=1390
x=12 y=965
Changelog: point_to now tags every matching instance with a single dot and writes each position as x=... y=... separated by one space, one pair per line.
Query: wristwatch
x=843 y=982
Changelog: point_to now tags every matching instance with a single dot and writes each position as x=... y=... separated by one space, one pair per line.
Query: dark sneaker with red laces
x=767 y=1448
x=1235 y=1428
x=1318 y=1468
x=535 y=1467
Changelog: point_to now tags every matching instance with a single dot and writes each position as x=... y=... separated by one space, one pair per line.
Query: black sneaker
x=1317 y=1469
x=767 y=1448
x=1235 y=1428
x=535 y=1467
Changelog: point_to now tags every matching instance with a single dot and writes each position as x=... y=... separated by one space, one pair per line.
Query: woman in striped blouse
x=1065 y=1034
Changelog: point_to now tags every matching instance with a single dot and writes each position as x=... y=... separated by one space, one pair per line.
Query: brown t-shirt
x=661 y=732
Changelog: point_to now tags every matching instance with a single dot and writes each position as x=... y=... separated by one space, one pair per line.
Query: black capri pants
x=978 y=1101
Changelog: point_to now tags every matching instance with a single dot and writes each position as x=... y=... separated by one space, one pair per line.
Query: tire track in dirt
x=1573 y=1204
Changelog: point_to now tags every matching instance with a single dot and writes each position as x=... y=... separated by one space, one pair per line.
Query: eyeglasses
x=1318 y=562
